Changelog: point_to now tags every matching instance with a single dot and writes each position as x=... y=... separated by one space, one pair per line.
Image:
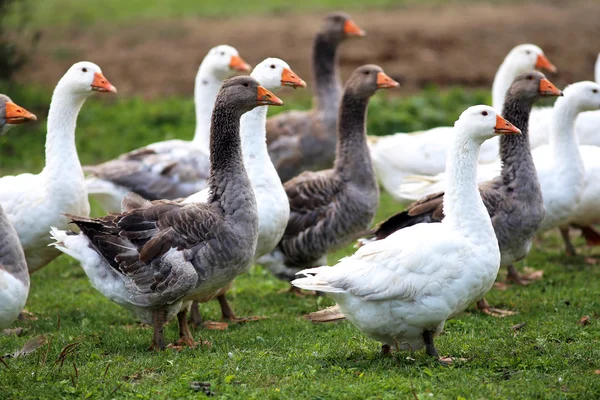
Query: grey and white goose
x=157 y=256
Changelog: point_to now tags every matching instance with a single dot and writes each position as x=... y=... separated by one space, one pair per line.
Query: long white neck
x=253 y=133
x=62 y=161
x=463 y=207
x=564 y=145
x=205 y=93
x=504 y=78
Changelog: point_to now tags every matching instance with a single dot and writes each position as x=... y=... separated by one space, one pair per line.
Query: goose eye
x=366 y=72
x=530 y=77
x=594 y=90
x=222 y=53
x=528 y=52
x=272 y=66
x=484 y=113
x=84 y=69
x=245 y=84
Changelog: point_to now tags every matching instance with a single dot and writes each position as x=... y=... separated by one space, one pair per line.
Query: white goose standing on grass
x=173 y=168
x=401 y=290
x=271 y=200
x=401 y=155
x=14 y=277
x=34 y=203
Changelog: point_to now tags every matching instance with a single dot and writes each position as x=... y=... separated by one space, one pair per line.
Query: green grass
x=284 y=356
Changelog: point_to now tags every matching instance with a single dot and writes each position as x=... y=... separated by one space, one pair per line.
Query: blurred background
x=445 y=54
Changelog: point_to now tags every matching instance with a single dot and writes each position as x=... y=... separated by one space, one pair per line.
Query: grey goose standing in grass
x=14 y=276
x=157 y=255
x=329 y=208
x=306 y=140
x=513 y=199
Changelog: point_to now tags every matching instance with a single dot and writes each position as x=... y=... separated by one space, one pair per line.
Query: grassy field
x=285 y=357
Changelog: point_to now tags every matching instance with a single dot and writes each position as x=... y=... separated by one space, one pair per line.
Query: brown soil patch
x=443 y=45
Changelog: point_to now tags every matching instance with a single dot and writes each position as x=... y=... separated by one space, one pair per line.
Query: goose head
x=339 y=26
x=244 y=93
x=84 y=78
x=273 y=73
x=526 y=57
x=223 y=60
x=532 y=85
x=582 y=96
x=367 y=79
x=480 y=123
x=12 y=114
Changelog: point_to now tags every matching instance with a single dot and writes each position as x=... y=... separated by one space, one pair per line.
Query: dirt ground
x=444 y=45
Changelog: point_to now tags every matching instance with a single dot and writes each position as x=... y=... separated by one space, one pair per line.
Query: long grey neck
x=326 y=76
x=518 y=169
x=228 y=178
x=353 y=159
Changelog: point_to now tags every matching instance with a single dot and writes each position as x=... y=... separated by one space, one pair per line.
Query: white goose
x=271 y=200
x=14 y=277
x=173 y=168
x=402 y=289
x=587 y=126
x=34 y=203
x=424 y=153
x=559 y=164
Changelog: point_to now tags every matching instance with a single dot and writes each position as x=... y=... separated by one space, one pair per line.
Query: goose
x=559 y=164
x=398 y=156
x=156 y=257
x=305 y=140
x=173 y=168
x=14 y=276
x=328 y=208
x=34 y=203
x=586 y=125
x=271 y=200
x=513 y=199
x=401 y=290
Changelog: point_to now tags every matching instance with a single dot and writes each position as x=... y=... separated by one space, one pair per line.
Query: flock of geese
x=185 y=218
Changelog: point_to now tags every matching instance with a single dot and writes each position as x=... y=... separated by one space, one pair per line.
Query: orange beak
x=237 y=63
x=351 y=29
x=504 y=127
x=266 y=98
x=385 y=82
x=14 y=114
x=289 y=78
x=543 y=63
x=547 y=88
x=101 y=84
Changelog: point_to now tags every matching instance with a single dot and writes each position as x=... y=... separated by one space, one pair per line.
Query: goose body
x=306 y=140
x=174 y=168
x=402 y=155
x=329 y=207
x=155 y=256
x=402 y=289
x=14 y=276
x=34 y=203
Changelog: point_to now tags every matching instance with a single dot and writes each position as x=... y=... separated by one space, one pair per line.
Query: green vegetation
x=285 y=357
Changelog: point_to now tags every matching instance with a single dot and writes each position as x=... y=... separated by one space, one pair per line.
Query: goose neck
x=61 y=152
x=206 y=88
x=502 y=81
x=353 y=159
x=253 y=135
x=463 y=207
x=515 y=151
x=326 y=74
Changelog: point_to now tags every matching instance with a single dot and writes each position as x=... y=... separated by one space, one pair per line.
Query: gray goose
x=329 y=208
x=305 y=140
x=156 y=256
x=13 y=267
x=513 y=199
